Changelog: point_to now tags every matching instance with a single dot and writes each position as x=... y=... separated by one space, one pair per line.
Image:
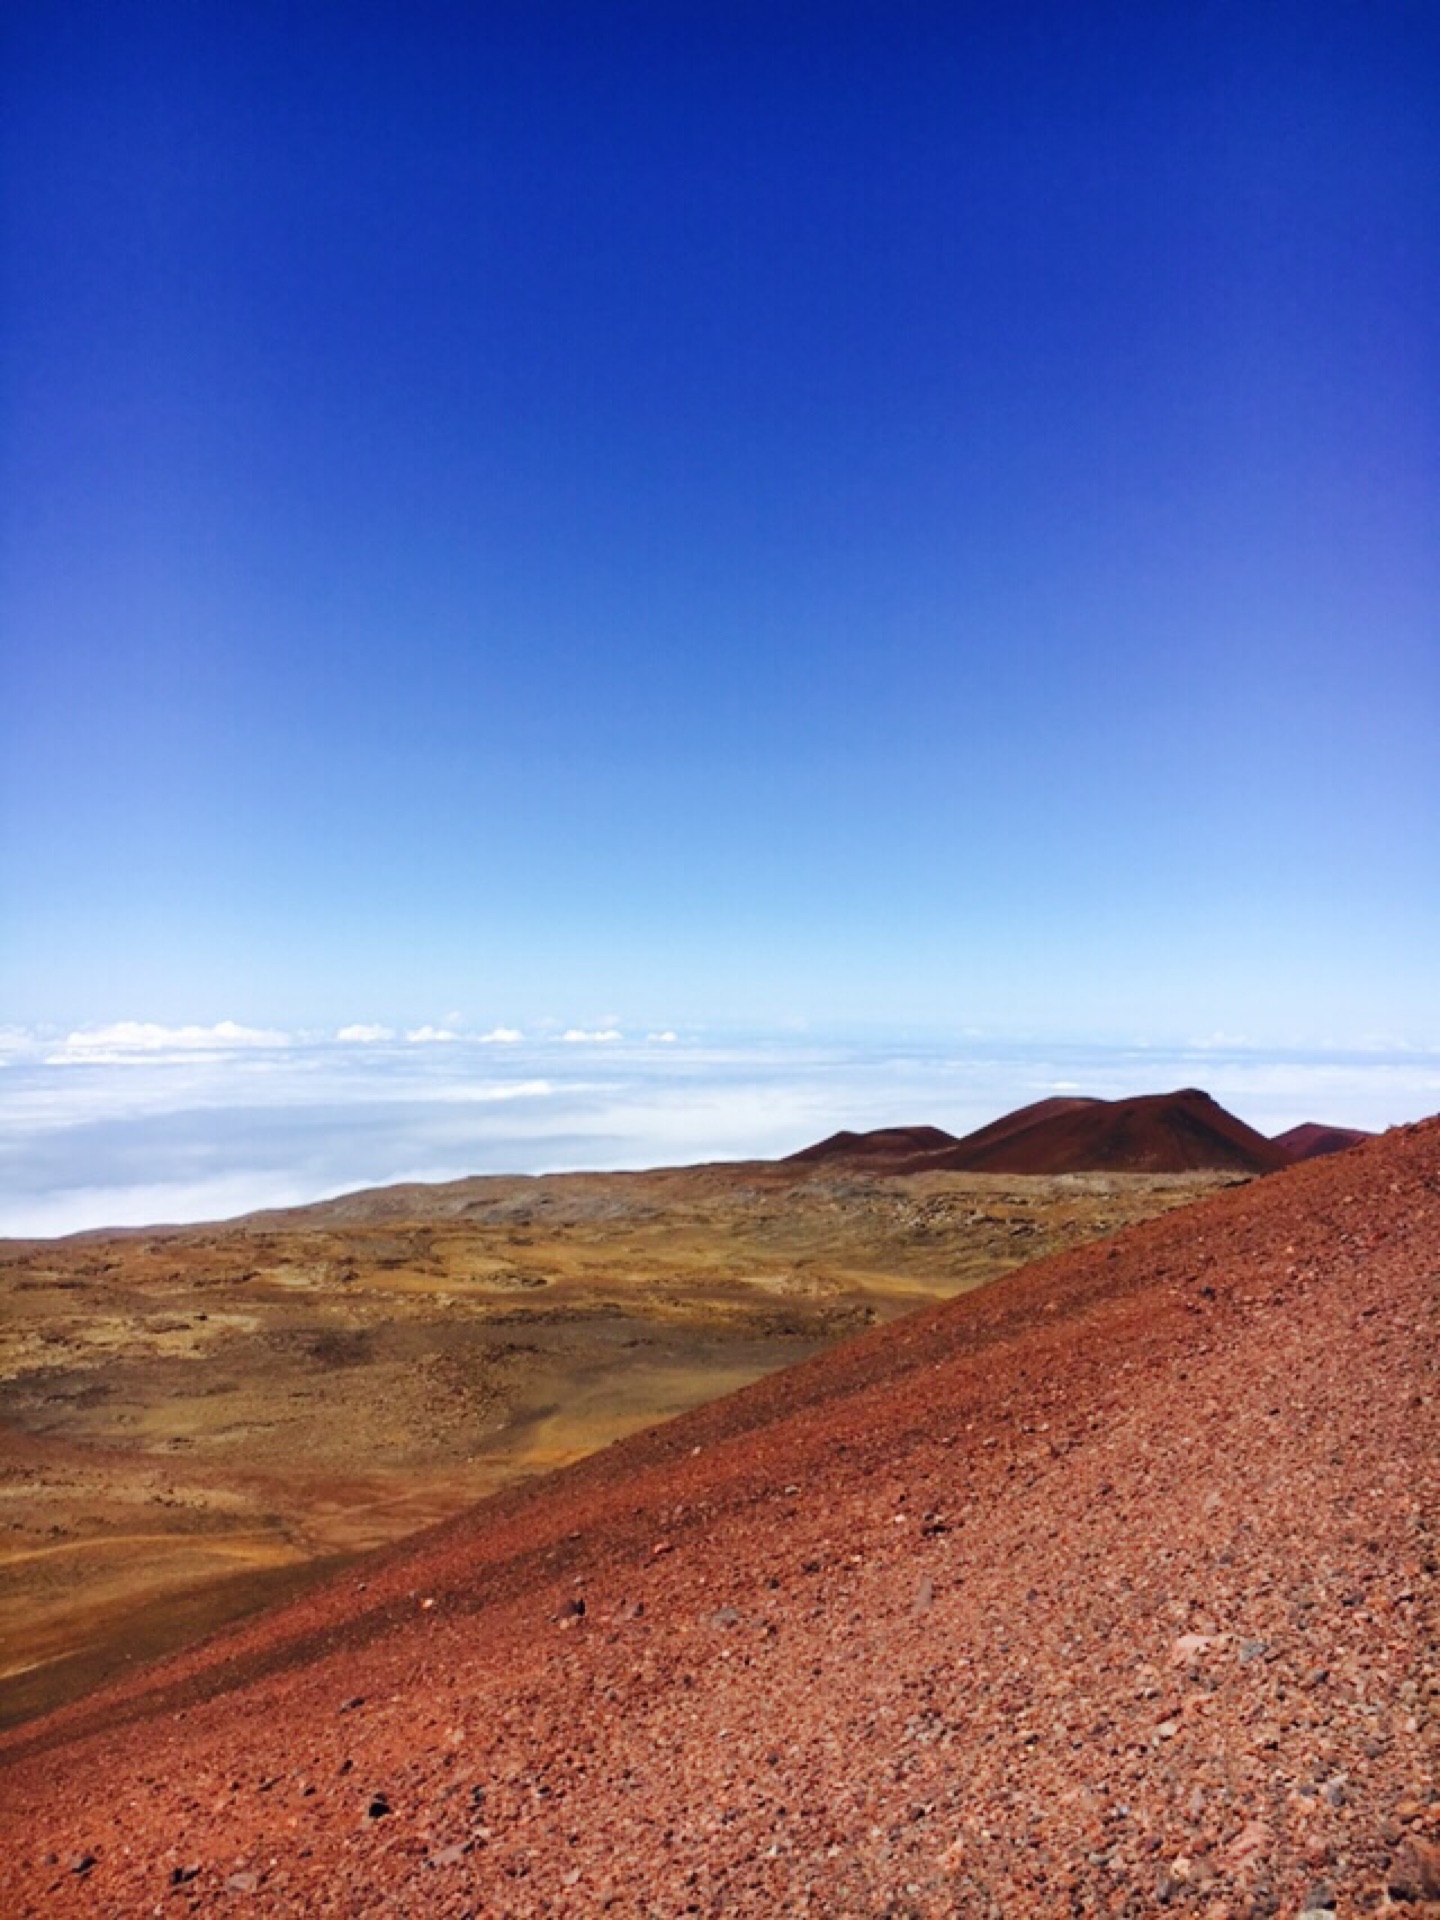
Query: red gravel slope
x=1111 y=1589
x=1154 y=1133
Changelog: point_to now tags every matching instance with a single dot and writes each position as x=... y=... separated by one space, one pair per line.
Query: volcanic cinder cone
x=1152 y=1133
x=1313 y=1138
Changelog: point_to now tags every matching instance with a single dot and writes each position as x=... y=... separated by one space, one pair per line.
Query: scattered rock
x=81 y=1862
x=1188 y=1649
x=1252 y=1840
x=245 y=1881
x=180 y=1875
x=378 y=1808
x=1415 y=1870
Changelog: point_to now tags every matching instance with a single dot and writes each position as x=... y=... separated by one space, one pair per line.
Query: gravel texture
x=1110 y=1589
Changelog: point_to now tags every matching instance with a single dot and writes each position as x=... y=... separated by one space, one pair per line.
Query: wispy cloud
x=666 y=1039
x=469 y=1095
x=364 y=1034
x=430 y=1036
x=18 y=1043
x=502 y=1037
x=591 y=1037
x=147 y=1039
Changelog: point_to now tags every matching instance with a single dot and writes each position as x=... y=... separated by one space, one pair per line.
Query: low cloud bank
x=144 y=1039
x=138 y=1123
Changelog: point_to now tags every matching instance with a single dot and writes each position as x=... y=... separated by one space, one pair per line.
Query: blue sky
x=893 y=518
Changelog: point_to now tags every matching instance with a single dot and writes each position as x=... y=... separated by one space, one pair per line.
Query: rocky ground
x=195 y=1422
x=1108 y=1589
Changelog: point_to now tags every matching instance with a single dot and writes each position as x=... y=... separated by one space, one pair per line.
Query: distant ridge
x=882 y=1143
x=1312 y=1138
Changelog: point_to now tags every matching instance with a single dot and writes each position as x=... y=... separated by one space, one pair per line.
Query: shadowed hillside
x=1311 y=1139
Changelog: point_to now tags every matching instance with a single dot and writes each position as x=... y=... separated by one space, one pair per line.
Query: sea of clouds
x=136 y=1123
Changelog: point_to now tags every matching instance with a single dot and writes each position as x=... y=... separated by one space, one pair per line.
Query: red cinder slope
x=1110 y=1589
x=1155 y=1133
x=1312 y=1138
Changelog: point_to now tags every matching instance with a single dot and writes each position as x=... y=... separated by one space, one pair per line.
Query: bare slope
x=1153 y=1133
x=1104 y=1590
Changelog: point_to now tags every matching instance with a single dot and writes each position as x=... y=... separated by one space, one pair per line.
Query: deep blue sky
x=686 y=513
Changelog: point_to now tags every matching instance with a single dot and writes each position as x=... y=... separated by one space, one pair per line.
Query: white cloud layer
x=591 y=1037
x=502 y=1037
x=364 y=1034
x=430 y=1036
x=138 y=1123
x=145 y=1039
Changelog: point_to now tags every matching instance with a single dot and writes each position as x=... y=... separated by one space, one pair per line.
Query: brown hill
x=1102 y=1590
x=1154 y=1133
x=1312 y=1138
x=881 y=1143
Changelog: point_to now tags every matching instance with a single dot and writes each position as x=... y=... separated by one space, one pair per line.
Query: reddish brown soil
x=1312 y=1138
x=1155 y=1133
x=881 y=1143
x=1110 y=1589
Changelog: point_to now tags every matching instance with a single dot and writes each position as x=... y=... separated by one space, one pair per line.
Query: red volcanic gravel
x=1108 y=1590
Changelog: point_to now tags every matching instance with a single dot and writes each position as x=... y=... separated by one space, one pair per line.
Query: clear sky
x=675 y=514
